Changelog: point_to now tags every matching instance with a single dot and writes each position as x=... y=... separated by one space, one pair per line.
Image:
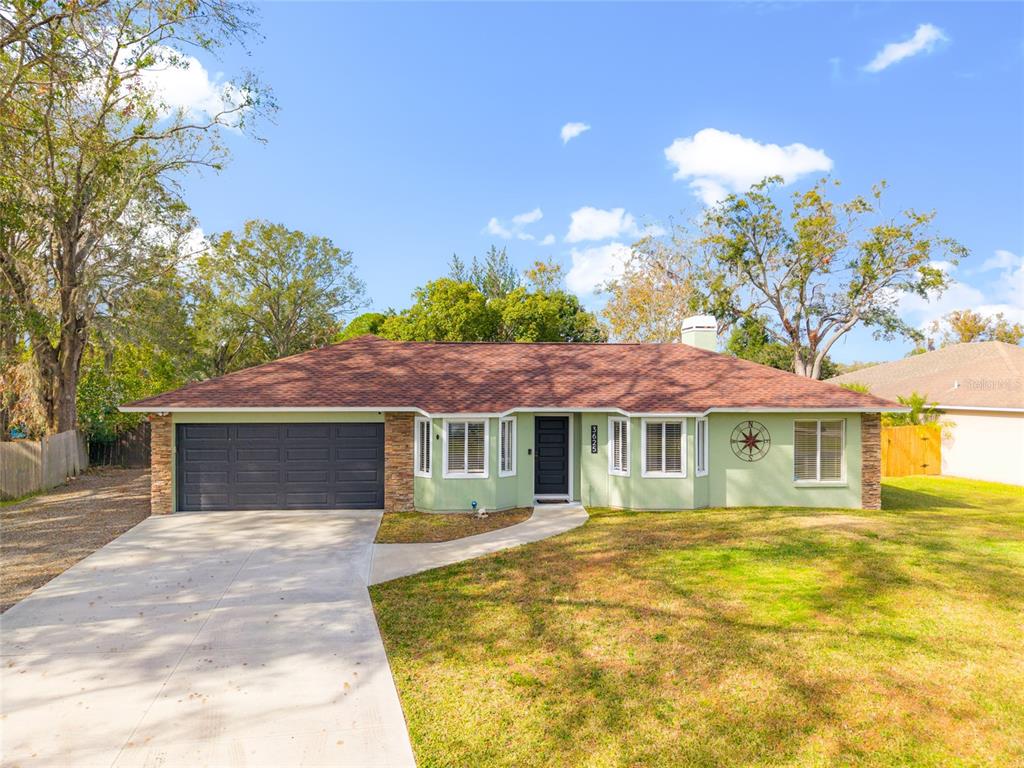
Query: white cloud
x=495 y=228
x=1004 y=293
x=181 y=82
x=925 y=38
x=571 y=130
x=1002 y=260
x=718 y=162
x=589 y=223
x=592 y=267
x=548 y=240
x=529 y=217
x=517 y=227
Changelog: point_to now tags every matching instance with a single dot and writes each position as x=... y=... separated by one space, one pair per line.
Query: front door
x=551 y=459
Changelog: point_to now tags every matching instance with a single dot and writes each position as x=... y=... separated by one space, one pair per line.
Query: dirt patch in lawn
x=430 y=527
x=841 y=523
x=43 y=536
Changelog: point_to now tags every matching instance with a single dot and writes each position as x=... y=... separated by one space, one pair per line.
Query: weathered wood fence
x=911 y=450
x=33 y=465
x=128 y=449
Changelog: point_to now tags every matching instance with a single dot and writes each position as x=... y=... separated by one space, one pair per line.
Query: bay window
x=465 y=451
x=664 y=448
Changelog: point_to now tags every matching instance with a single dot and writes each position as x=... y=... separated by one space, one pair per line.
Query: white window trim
x=511 y=421
x=643 y=447
x=487 y=450
x=611 y=447
x=416 y=447
x=817 y=455
x=701 y=450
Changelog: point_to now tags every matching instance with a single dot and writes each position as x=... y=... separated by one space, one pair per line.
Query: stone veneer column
x=398 y=462
x=161 y=473
x=871 y=460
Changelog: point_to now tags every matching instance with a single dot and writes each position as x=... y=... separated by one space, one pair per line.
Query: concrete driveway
x=221 y=639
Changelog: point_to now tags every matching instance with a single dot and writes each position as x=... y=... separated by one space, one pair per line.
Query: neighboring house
x=370 y=423
x=980 y=387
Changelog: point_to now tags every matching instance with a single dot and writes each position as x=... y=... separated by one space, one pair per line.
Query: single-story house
x=979 y=387
x=371 y=423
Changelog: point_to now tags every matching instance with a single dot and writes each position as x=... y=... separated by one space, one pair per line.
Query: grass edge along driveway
x=728 y=637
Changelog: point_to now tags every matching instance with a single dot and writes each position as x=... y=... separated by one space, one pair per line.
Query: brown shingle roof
x=985 y=374
x=374 y=373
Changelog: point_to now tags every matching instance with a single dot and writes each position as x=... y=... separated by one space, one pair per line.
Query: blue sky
x=404 y=130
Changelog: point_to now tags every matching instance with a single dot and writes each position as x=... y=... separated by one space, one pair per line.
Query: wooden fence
x=129 y=449
x=911 y=450
x=33 y=465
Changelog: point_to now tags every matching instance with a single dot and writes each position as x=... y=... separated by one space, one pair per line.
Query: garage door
x=280 y=466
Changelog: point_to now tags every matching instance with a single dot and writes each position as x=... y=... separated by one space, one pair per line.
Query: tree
x=454 y=310
x=965 y=326
x=91 y=154
x=494 y=276
x=270 y=292
x=361 y=325
x=750 y=340
x=654 y=294
x=921 y=412
x=124 y=372
x=815 y=277
x=545 y=316
x=444 y=310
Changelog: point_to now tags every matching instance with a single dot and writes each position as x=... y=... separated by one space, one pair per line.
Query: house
x=371 y=423
x=980 y=389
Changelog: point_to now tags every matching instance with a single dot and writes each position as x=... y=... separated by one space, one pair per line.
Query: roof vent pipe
x=700 y=331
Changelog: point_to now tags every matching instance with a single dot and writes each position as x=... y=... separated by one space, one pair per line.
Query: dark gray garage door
x=280 y=466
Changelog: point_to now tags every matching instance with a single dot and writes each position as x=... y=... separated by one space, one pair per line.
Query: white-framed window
x=507 y=446
x=664 y=447
x=819 y=451
x=618 y=445
x=701 y=448
x=465 y=447
x=422 y=447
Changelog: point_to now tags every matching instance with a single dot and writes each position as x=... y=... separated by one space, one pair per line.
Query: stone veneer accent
x=399 y=493
x=161 y=473
x=871 y=460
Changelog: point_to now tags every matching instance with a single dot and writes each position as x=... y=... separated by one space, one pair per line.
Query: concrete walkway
x=213 y=639
x=392 y=561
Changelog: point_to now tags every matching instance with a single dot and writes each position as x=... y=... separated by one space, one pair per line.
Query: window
x=422 y=451
x=702 y=447
x=818 y=451
x=663 y=450
x=618 y=446
x=507 y=447
x=465 y=453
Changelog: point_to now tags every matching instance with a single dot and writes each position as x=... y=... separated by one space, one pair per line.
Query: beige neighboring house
x=980 y=387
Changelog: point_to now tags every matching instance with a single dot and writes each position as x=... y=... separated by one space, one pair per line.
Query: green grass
x=419 y=527
x=728 y=637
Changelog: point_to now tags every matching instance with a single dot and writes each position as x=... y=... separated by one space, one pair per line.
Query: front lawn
x=422 y=527
x=728 y=637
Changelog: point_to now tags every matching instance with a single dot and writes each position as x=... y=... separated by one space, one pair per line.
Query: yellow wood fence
x=911 y=450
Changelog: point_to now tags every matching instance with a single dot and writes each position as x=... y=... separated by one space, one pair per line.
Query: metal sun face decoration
x=750 y=441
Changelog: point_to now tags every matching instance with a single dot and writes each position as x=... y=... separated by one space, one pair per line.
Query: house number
x=593 y=438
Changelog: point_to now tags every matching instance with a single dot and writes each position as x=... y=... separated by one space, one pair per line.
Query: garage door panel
x=216 y=477
x=280 y=466
x=267 y=453
x=201 y=431
x=308 y=476
x=206 y=454
x=310 y=453
x=317 y=432
x=270 y=432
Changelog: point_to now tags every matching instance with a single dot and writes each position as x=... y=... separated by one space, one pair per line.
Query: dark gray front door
x=280 y=466
x=551 y=455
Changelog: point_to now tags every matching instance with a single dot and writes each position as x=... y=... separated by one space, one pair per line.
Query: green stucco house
x=377 y=424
